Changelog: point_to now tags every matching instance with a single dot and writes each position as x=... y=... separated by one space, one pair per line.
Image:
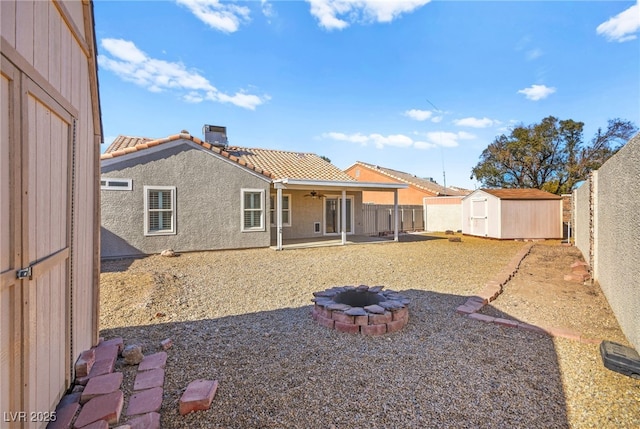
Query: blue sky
x=412 y=85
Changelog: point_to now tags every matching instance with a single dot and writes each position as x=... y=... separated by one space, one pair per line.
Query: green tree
x=550 y=155
x=325 y=158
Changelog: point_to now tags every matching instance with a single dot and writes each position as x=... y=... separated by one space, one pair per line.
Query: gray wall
x=614 y=244
x=207 y=203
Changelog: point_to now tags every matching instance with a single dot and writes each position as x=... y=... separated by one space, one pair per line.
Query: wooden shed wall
x=49 y=198
x=531 y=219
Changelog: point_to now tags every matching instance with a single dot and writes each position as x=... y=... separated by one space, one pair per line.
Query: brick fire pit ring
x=361 y=309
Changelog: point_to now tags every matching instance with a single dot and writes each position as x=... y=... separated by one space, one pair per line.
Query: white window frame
x=273 y=208
x=109 y=187
x=262 y=210
x=172 y=231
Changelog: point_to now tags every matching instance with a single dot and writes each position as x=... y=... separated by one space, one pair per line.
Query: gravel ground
x=242 y=317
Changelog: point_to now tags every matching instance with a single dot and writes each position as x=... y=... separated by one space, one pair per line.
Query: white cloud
x=448 y=139
x=621 y=28
x=339 y=14
x=476 y=122
x=534 y=53
x=224 y=17
x=267 y=9
x=133 y=65
x=425 y=145
x=537 y=92
x=418 y=115
x=124 y=50
x=435 y=139
x=241 y=99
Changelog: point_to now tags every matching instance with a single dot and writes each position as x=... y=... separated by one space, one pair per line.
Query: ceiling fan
x=314 y=195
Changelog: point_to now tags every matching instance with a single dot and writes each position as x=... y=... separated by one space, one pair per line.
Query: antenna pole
x=444 y=176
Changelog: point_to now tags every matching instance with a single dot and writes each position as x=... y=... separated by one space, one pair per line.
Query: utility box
x=619 y=358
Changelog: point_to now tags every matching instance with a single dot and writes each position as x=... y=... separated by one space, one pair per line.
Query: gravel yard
x=242 y=318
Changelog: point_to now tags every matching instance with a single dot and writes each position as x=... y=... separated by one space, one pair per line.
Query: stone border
x=493 y=289
x=391 y=314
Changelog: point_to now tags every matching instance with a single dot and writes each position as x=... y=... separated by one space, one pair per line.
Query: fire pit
x=362 y=309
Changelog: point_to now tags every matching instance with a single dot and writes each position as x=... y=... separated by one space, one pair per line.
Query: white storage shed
x=512 y=213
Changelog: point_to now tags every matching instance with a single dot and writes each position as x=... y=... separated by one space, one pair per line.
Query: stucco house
x=417 y=187
x=512 y=213
x=188 y=194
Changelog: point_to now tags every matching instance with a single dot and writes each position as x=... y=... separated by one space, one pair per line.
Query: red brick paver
x=105 y=407
x=100 y=424
x=101 y=385
x=64 y=416
x=145 y=401
x=149 y=379
x=156 y=360
x=145 y=421
x=85 y=362
x=373 y=329
x=198 y=396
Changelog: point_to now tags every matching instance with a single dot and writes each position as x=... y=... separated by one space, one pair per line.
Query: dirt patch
x=539 y=295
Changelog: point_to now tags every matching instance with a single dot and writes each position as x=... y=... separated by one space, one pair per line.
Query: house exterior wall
x=49 y=152
x=443 y=213
x=305 y=212
x=616 y=235
x=408 y=196
x=208 y=198
x=531 y=219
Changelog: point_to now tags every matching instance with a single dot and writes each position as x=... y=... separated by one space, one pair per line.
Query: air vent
x=215 y=135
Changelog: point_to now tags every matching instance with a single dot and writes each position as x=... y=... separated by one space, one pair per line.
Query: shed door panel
x=10 y=300
x=479 y=222
x=46 y=214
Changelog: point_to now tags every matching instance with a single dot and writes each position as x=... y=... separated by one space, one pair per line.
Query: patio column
x=395 y=210
x=343 y=216
x=279 y=218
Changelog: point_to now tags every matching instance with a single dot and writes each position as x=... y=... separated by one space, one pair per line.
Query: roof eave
x=337 y=185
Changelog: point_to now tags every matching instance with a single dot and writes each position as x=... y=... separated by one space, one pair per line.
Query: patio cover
x=331 y=185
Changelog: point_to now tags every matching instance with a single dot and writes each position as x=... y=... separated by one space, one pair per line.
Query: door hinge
x=25 y=273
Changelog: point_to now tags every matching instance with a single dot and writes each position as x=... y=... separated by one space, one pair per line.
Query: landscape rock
x=132 y=354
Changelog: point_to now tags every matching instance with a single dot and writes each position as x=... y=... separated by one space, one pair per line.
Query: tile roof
x=275 y=164
x=291 y=165
x=522 y=194
x=418 y=182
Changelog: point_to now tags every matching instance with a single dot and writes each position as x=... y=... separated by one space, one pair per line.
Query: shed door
x=479 y=221
x=36 y=218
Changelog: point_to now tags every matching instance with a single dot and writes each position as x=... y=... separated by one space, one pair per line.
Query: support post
x=343 y=217
x=279 y=218
x=395 y=209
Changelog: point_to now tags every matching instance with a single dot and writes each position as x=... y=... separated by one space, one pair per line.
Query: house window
x=111 y=184
x=252 y=209
x=286 y=210
x=160 y=210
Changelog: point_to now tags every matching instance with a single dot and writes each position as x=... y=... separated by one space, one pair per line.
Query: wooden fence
x=379 y=219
